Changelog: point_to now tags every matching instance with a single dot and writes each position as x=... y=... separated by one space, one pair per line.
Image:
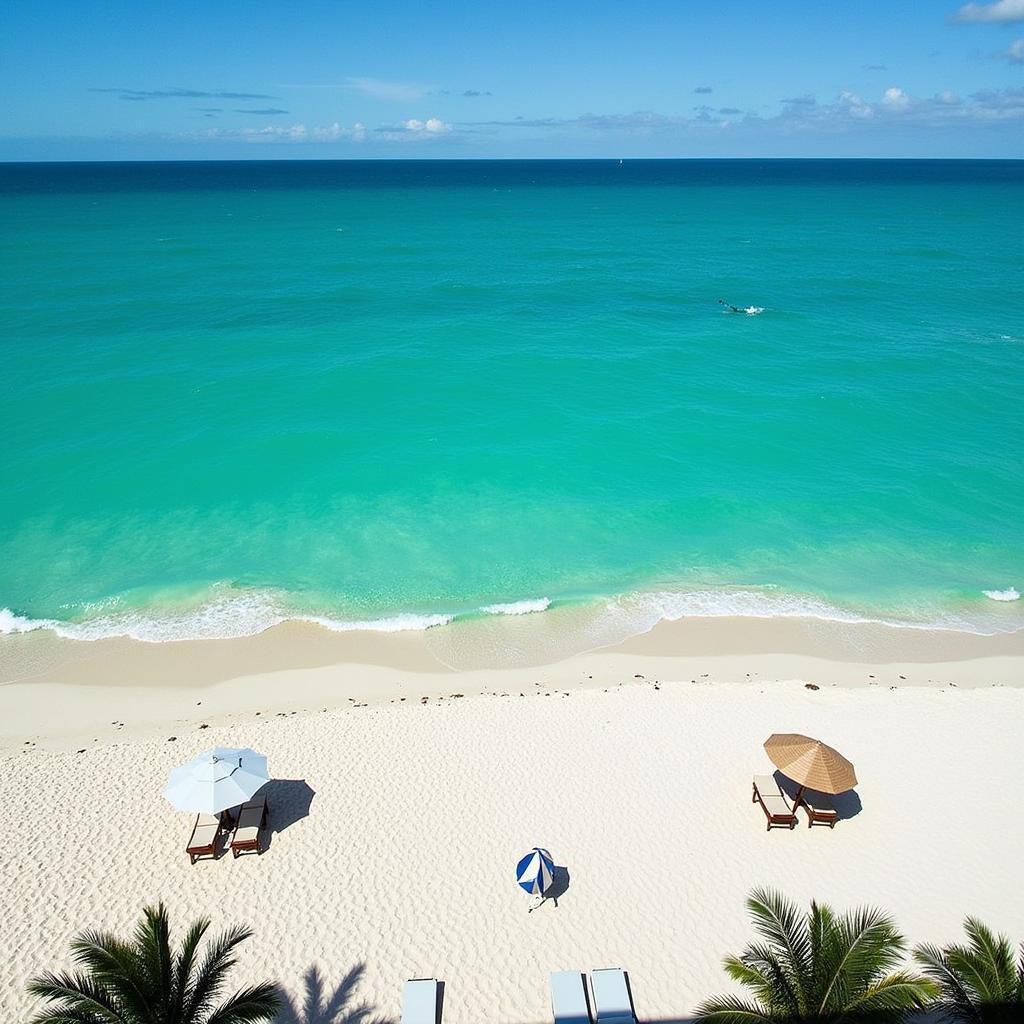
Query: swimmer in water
x=750 y=310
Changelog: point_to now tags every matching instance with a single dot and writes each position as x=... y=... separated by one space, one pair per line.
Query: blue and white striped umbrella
x=221 y=778
x=534 y=872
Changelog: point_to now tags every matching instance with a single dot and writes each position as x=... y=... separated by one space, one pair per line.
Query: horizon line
x=524 y=159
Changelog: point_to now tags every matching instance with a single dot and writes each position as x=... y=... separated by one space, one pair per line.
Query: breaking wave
x=230 y=612
x=540 y=604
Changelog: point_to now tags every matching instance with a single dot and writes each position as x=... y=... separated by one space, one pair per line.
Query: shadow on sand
x=559 y=884
x=288 y=801
x=847 y=804
x=320 y=1006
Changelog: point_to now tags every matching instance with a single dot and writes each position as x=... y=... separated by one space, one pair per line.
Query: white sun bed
x=613 y=1003
x=251 y=818
x=205 y=834
x=820 y=810
x=773 y=801
x=569 y=1004
x=419 y=1001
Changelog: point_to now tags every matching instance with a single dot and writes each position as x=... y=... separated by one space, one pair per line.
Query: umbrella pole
x=543 y=900
x=799 y=793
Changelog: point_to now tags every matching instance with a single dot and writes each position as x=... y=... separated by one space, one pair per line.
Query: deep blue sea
x=403 y=392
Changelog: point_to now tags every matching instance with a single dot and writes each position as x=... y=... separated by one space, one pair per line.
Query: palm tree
x=818 y=967
x=980 y=982
x=145 y=981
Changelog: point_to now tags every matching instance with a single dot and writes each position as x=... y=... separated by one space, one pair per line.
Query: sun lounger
x=251 y=818
x=569 y=1004
x=205 y=836
x=420 y=1001
x=773 y=801
x=613 y=1002
x=819 y=808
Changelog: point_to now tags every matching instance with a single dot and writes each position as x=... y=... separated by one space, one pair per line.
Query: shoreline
x=118 y=689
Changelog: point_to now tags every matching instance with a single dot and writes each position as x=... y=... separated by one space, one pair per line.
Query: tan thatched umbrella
x=811 y=763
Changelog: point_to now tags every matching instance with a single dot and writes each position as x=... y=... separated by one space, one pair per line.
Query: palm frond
x=212 y=970
x=77 y=993
x=114 y=966
x=749 y=975
x=973 y=972
x=996 y=953
x=778 y=920
x=65 y=1015
x=955 y=995
x=251 y=1005
x=894 y=996
x=153 y=955
x=779 y=991
x=732 y=1010
x=184 y=964
x=866 y=946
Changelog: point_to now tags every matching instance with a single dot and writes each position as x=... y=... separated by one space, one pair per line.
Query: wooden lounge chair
x=251 y=818
x=820 y=810
x=205 y=837
x=613 y=1001
x=774 y=802
x=569 y=1003
x=421 y=1002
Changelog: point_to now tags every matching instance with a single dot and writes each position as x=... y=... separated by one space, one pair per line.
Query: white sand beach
x=396 y=824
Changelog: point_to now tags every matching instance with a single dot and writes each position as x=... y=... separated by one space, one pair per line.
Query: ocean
x=405 y=393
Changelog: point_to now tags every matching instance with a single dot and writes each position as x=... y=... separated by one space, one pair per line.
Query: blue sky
x=103 y=80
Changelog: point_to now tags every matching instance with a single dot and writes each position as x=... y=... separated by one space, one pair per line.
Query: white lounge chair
x=205 y=836
x=820 y=810
x=613 y=1002
x=777 y=808
x=419 y=1001
x=251 y=818
x=569 y=1003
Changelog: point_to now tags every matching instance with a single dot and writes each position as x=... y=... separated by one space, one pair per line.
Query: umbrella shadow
x=847 y=804
x=288 y=801
x=559 y=884
x=320 y=1006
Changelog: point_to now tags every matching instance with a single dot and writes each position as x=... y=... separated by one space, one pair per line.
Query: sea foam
x=239 y=614
x=640 y=611
x=11 y=623
x=539 y=604
x=232 y=612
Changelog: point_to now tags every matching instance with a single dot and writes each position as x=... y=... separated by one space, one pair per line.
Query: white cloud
x=847 y=113
x=855 y=106
x=410 y=130
x=1001 y=11
x=896 y=99
x=336 y=132
x=432 y=126
x=379 y=89
x=291 y=133
x=1014 y=53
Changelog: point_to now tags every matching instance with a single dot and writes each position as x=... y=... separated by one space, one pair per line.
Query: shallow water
x=401 y=392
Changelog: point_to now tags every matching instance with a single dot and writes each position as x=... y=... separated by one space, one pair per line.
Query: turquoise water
x=235 y=393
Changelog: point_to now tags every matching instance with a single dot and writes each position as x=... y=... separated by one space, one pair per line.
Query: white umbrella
x=221 y=778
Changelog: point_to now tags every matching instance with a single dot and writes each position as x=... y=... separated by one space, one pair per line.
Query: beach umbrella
x=221 y=778
x=535 y=871
x=810 y=763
